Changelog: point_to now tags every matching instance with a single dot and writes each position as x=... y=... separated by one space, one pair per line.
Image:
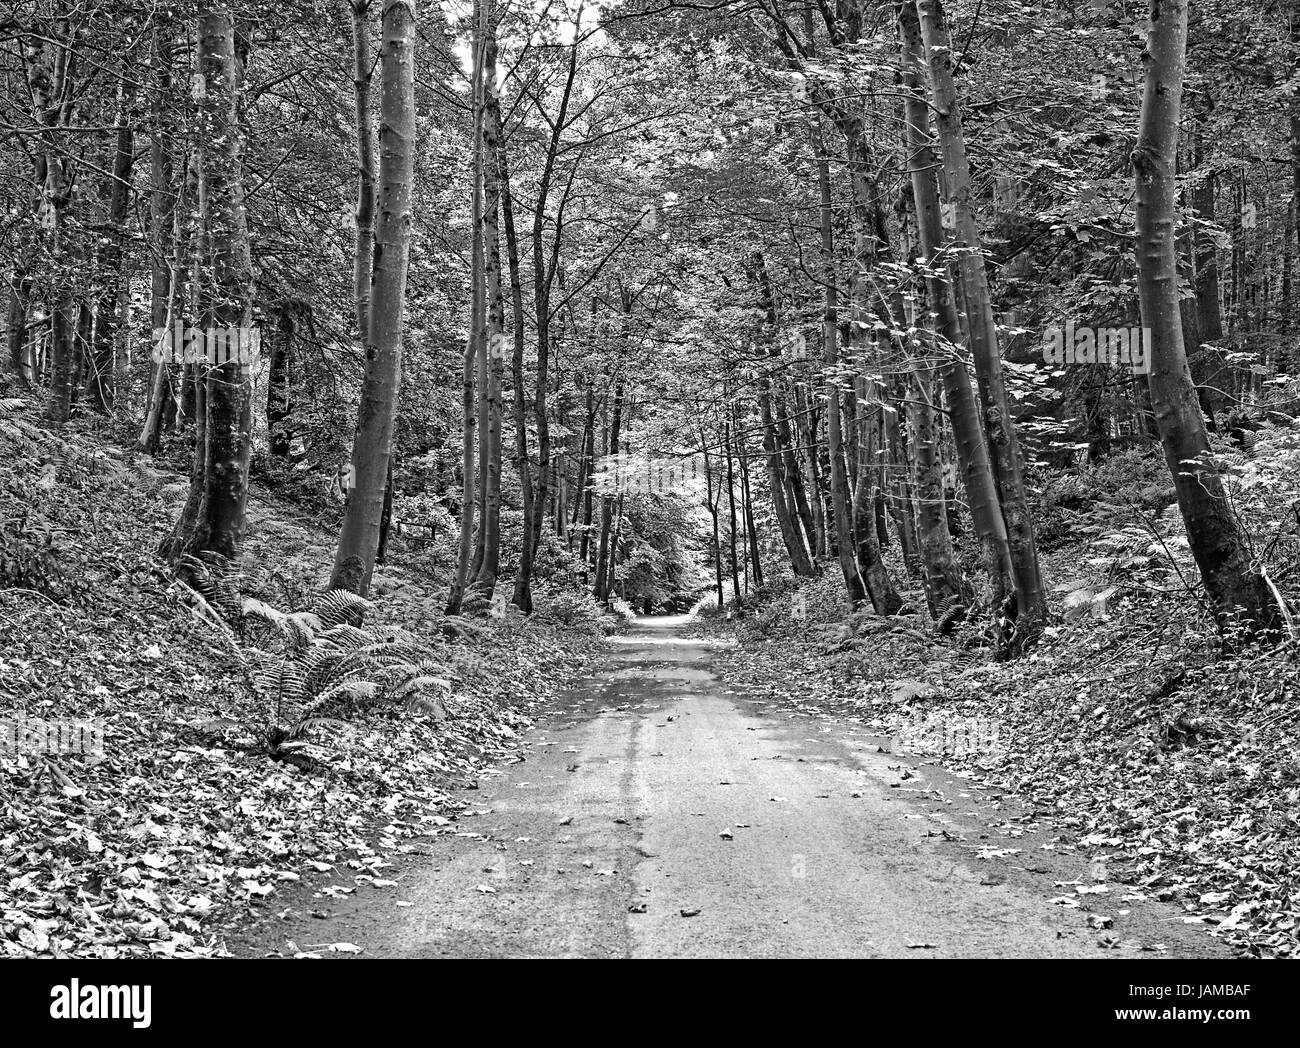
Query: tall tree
x=354 y=561
x=1217 y=544
x=225 y=441
x=999 y=423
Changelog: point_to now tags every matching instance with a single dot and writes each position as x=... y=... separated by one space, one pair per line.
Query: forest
x=395 y=394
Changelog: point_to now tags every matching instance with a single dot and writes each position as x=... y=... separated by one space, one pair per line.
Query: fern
x=339 y=607
x=322 y=663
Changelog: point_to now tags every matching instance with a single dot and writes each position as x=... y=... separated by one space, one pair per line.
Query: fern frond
x=302 y=627
x=339 y=607
x=282 y=680
x=257 y=609
x=415 y=684
x=331 y=725
x=346 y=638
x=354 y=691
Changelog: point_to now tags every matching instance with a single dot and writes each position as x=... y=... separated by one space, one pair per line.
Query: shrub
x=308 y=670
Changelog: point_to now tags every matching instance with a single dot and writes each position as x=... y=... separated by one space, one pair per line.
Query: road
x=662 y=814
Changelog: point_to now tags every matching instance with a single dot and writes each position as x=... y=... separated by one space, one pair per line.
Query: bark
x=782 y=500
x=372 y=446
x=589 y=456
x=1217 y=544
x=711 y=504
x=810 y=499
x=17 y=348
x=603 y=580
x=226 y=390
x=468 y=405
x=162 y=209
x=999 y=425
x=747 y=502
x=50 y=69
x=944 y=584
x=279 y=380
x=731 y=502
x=167 y=285
x=62 y=349
x=545 y=268
x=100 y=385
x=363 y=257
x=840 y=498
x=492 y=351
x=523 y=593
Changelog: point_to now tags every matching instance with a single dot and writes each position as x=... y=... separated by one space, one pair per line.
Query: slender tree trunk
x=363 y=255
x=840 y=498
x=731 y=502
x=1212 y=531
x=712 y=505
x=168 y=278
x=468 y=402
x=545 y=266
x=354 y=561
x=945 y=589
x=279 y=380
x=783 y=503
x=225 y=441
x=493 y=348
x=968 y=434
x=588 y=495
x=17 y=347
x=523 y=593
x=746 y=498
x=49 y=68
x=607 y=502
x=999 y=425
x=101 y=371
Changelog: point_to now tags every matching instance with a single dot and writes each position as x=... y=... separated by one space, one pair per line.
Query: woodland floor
x=1141 y=799
x=177 y=834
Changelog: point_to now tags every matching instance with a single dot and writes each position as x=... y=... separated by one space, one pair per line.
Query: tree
x=1235 y=588
x=354 y=561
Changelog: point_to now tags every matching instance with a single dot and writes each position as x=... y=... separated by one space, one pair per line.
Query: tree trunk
x=1216 y=543
x=999 y=425
x=780 y=466
x=354 y=561
x=731 y=502
x=17 y=348
x=746 y=499
x=167 y=207
x=279 y=380
x=226 y=434
x=469 y=414
x=363 y=256
x=523 y=593
x=493 y=348
x=101 y=370
x=840 y=498
x=607 y=502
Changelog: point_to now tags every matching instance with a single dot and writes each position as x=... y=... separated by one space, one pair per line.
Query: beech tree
x=354 y=562
x=1235 y=586
x=999 y=422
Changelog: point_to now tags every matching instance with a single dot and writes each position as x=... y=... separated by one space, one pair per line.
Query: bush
x=570 y=610
x=1103 y=492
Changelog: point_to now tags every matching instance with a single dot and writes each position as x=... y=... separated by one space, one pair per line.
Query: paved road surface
x=613 y=826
